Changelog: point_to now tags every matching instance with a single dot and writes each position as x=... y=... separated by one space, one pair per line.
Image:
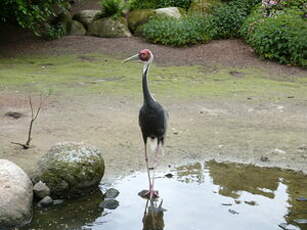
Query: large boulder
x=70 y=169
x=77 y=28
x=169 y=12
x=109 y=28
x=86 y=17
x=16 y=195
x=139 y=17
x=203 y=6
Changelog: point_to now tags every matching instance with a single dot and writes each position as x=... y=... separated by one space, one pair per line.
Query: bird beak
x=134 y=57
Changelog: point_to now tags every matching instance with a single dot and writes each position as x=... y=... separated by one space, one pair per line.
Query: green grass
x=94 y=74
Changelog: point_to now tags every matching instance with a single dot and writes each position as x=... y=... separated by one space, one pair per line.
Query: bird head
x=144 y=55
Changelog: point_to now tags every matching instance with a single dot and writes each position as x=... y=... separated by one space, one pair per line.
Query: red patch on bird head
x=145 y=55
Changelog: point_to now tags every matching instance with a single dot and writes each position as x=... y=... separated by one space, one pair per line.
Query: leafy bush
x=281 y=37
x=112 y=7
x=177 y=3
x=227 y=19
x=187 y=30
x=29 y=14
x=154 y=4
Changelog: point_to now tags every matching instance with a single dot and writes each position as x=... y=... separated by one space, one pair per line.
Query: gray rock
x=70 y=169
x=111 y=193
x=16 y=195
x=77 y=28
x=86 y=17
x=169 y=12
x=41 y=190
x=109 y=28
x=58 y=202
x=46 y=202
x=109 y=204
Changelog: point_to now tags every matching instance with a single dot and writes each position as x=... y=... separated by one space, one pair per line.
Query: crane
x=152 y=117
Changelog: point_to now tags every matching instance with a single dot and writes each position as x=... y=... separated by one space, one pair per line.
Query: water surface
x=199 y=196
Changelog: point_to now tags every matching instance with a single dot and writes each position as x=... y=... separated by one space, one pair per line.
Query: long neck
x=146 y=92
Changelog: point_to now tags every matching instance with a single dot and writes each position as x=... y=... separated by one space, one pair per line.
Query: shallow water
x=199 y=196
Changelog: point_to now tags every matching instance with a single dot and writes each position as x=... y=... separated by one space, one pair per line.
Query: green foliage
x=177 y=3
x=191 y=29
x=51 y=32
x=228 y=18
x=112 y=7
x=281 y=37
x=29 y=14
x=154 y=4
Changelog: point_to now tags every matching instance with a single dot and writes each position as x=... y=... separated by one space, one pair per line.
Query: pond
x=196 y=196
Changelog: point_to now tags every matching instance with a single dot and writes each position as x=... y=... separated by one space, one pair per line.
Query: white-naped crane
x=152 y=117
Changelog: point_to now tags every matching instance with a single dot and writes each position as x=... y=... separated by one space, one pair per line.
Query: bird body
x=152 y=116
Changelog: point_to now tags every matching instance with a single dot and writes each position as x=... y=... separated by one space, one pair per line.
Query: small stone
x=46 y=202
x=15 y=115
x=264 y=158
x=233 y=212
x=41 y=190
x=58 y=202
x=253 y=203
x=169 y=175
x=109 y=204
x=237 y=201
x=111 y=193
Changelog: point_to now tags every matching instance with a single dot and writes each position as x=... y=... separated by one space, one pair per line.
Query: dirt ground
x=267 y=133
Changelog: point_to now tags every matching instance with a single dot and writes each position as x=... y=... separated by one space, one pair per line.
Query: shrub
x=177 y=3
x=281 y=37
x=228 y=18
x=112 y=8
x=29 y=14
x=154 y=4
x=187 y=30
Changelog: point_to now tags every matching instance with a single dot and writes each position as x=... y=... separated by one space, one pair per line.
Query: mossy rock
x=203 y=6
x=77 y=28
x=139 y=17
x=70 y=169
x=86 y=17
x=109 y=28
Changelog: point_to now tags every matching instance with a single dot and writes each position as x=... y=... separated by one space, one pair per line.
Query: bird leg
x=150 y=193
x=147 y=167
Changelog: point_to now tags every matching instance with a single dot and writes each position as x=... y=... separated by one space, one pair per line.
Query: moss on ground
x=93 y=74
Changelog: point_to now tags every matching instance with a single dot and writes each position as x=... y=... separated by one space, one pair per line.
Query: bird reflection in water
x=153 y=215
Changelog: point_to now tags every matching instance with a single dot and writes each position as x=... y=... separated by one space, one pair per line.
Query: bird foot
x=147 y=194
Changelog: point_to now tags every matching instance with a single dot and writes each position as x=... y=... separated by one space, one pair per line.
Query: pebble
x=109 y=204
x=58 y=202
x=45 y=202
x=111 y=193
x=169 y=175
x=264 y=158
x=41 y=190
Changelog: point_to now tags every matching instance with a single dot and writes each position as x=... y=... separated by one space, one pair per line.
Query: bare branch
x=34 y=116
